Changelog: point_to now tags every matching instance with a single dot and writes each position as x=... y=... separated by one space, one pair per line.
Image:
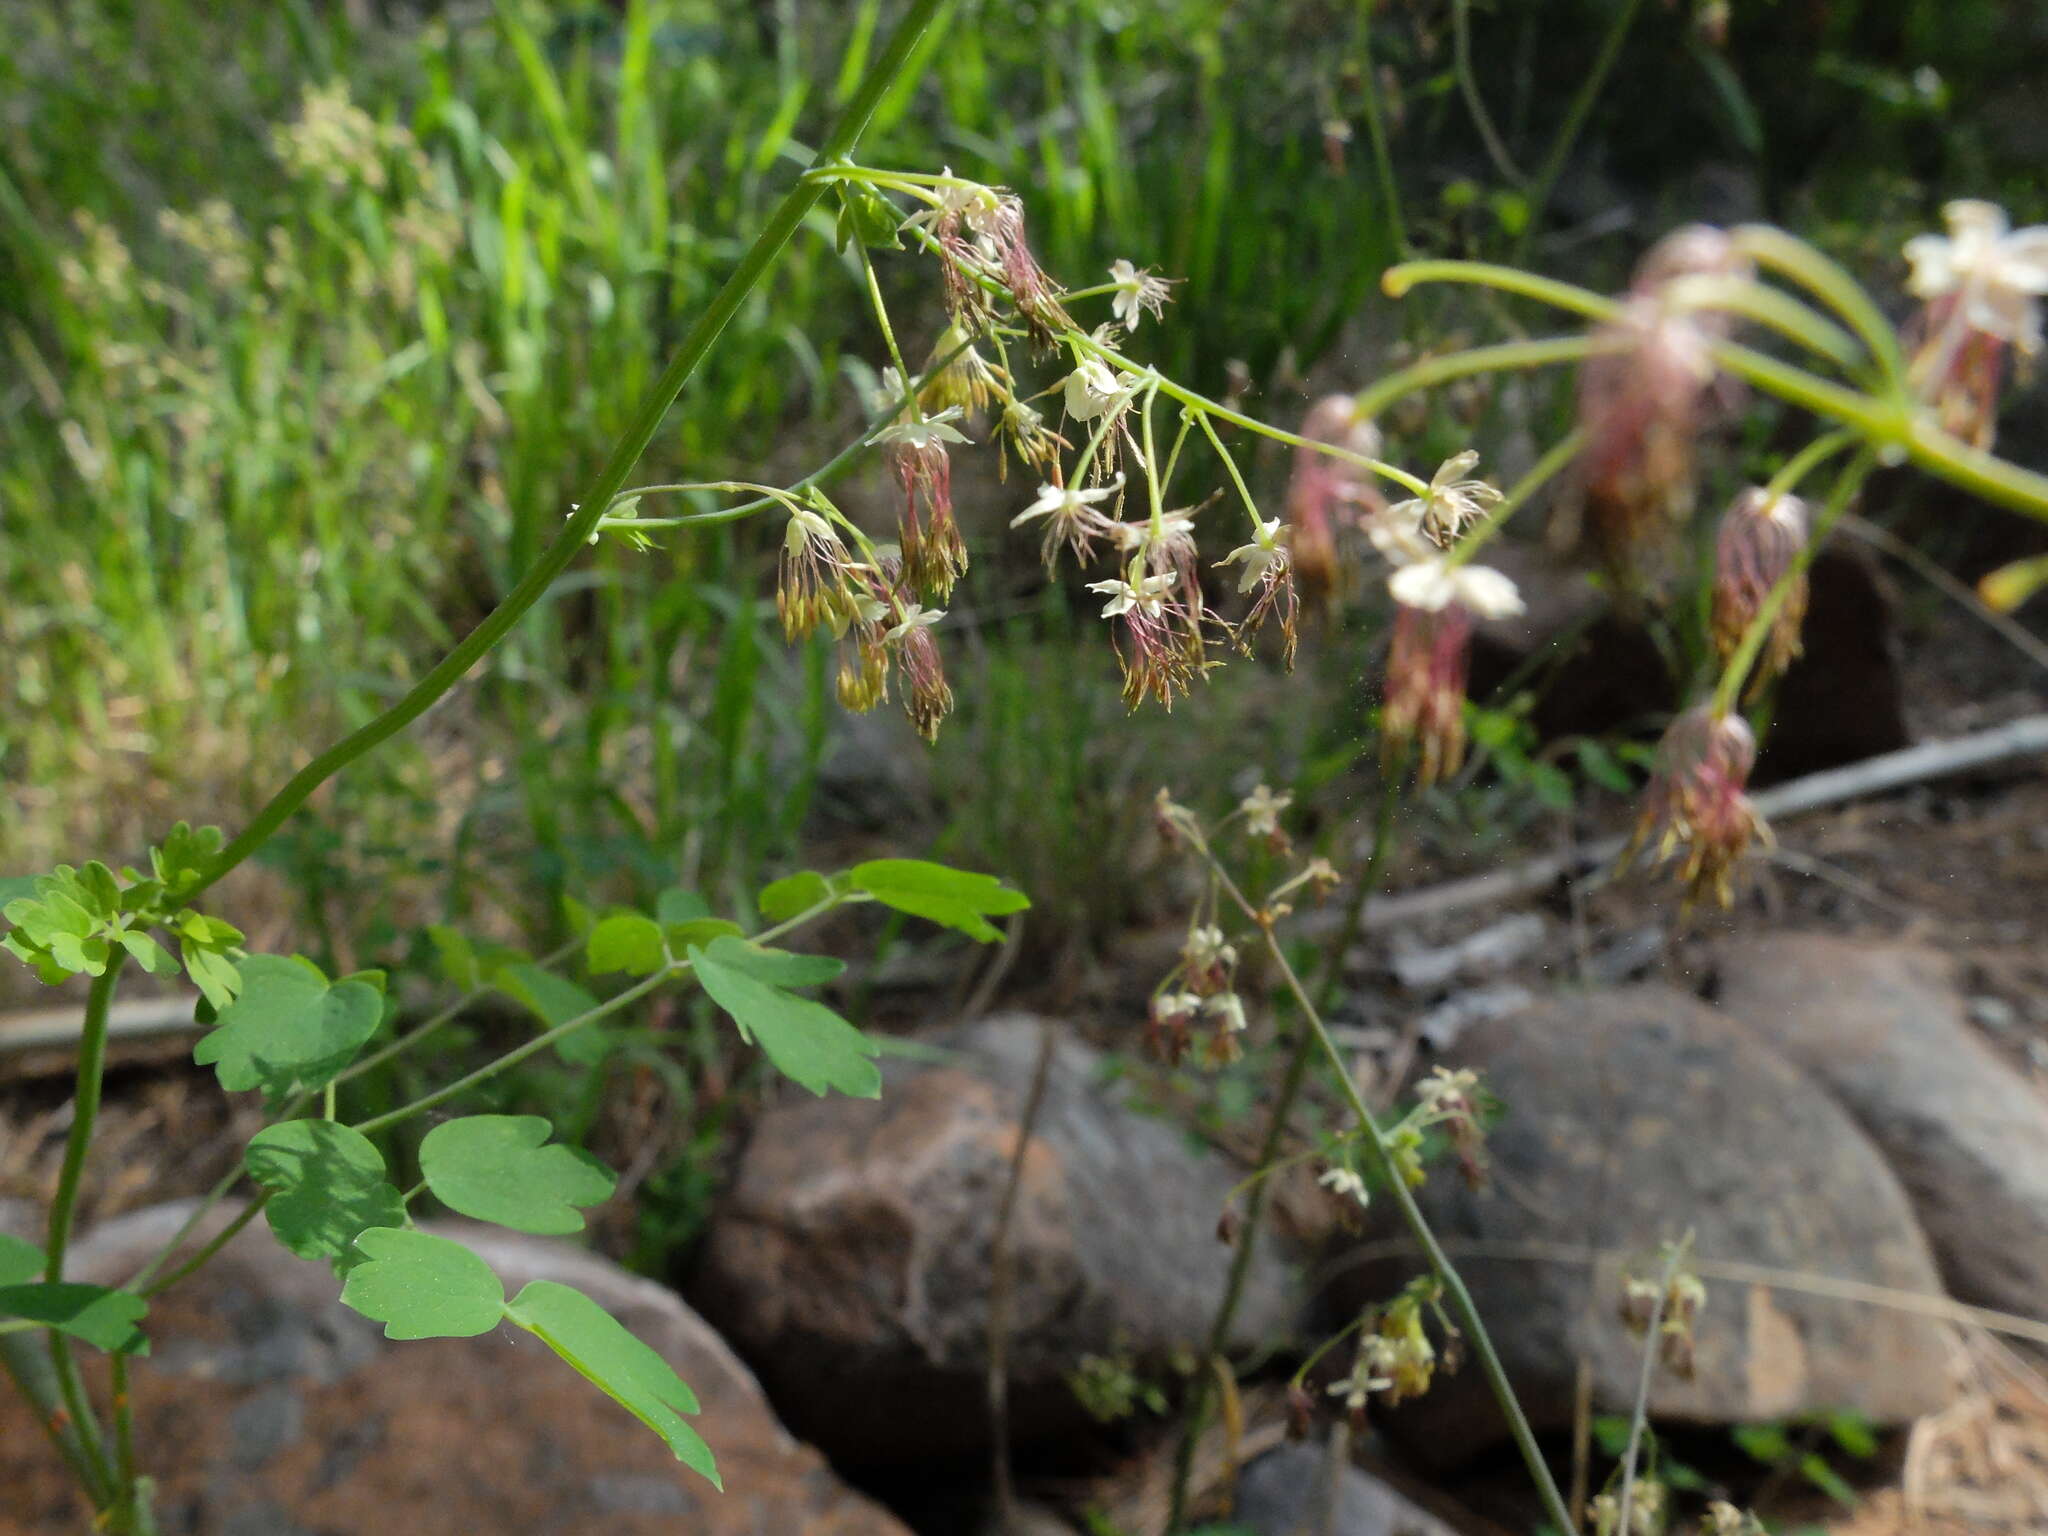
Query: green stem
x=1376 y=131
x=1499 y=358
x=1804 y=462
x=85 y=1109
x=1574 y=121
x=1792 y=257
x=211 y=1246
x=1222 y=412
x=1461 y=51
x=1269 y=1156
x=1230 y=468
x=1418 y=1225
x=35 y=1380
x=124 y=1444
x=1729 y=688
x=782 y=224
x=512 y=1058
x=1541 y=473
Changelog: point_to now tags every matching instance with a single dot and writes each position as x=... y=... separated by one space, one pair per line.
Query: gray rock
x=1884 y=1027
x=267 y=1407
x=1630 y=1116
x=1284 y=1493
x=851 y=1261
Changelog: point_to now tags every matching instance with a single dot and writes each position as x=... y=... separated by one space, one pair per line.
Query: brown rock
x=1885 y=1028
x=268 y=1409
x=851 y=1262
x=1631 y=1116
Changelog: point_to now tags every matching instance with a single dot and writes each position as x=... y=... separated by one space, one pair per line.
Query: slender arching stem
x=782 y=224
x=1500 y=358
x=1418 y=1226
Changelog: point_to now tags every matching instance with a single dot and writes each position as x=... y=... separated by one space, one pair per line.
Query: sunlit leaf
x=954 y=898
x=101 y=1317
x=625 y=1369
x=497 y=1168
x=806 y=1041
x=422 y=1287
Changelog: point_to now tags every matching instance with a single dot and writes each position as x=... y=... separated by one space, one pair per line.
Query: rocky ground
x=1840 y=1090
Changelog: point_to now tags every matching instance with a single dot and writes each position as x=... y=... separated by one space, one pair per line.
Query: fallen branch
x=2025 y=737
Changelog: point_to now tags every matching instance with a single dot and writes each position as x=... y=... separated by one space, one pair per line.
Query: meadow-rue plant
x=1655 y=367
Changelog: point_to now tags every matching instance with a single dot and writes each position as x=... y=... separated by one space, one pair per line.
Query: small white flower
x=1205 y=949
x=1173 y=527
x=1227 y=1007
x=954 y=201
x=1261 y=809
x=914 y=617
x=1263 y=553
x=1434 y=585
x=1136 y=292
x=1062 y=504
x=806 y=526
x=911 y=428
x=1450 y=505
x=1997 y=273
x=1092 y=390
x=1148 y=596
x=1177 y=1005
x=1342 y=1181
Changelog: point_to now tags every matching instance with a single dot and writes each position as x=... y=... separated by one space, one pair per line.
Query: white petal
x=1487 y=592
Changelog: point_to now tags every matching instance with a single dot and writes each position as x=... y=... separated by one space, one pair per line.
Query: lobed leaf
x=496 y=1168
x=327 y=1186
x=288 y=1027
x=622 y=1367
x=626 y=941
x=103 y=1318
x=953 y=898
x=793 y=895
x=806 y=1041
x=422 y=1287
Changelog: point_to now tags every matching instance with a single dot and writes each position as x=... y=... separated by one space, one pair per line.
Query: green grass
x=307 y=348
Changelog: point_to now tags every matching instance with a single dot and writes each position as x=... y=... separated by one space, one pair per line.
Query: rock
x=1283 y=1494
x=265 y=1406
x=850 y=1262
x=1630 y=1116
x=1883 y=1026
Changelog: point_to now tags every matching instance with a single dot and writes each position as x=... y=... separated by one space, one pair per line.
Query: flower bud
x=1760 y=538
x=1698 y=801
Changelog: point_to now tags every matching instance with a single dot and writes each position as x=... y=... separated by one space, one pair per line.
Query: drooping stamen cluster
x=915 y=446
x=813 y=573
x=1269 y=567
x=1326 y=493
x=1698 y=801
x=980 y=236
x=1424 y=704
x=1071 y=519
x=1644 y=397
x=927 y=698
x=1451 y=505
x=1760 y=538
x=1160 y=644
x=1980 y=288
x=1394 y=1356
